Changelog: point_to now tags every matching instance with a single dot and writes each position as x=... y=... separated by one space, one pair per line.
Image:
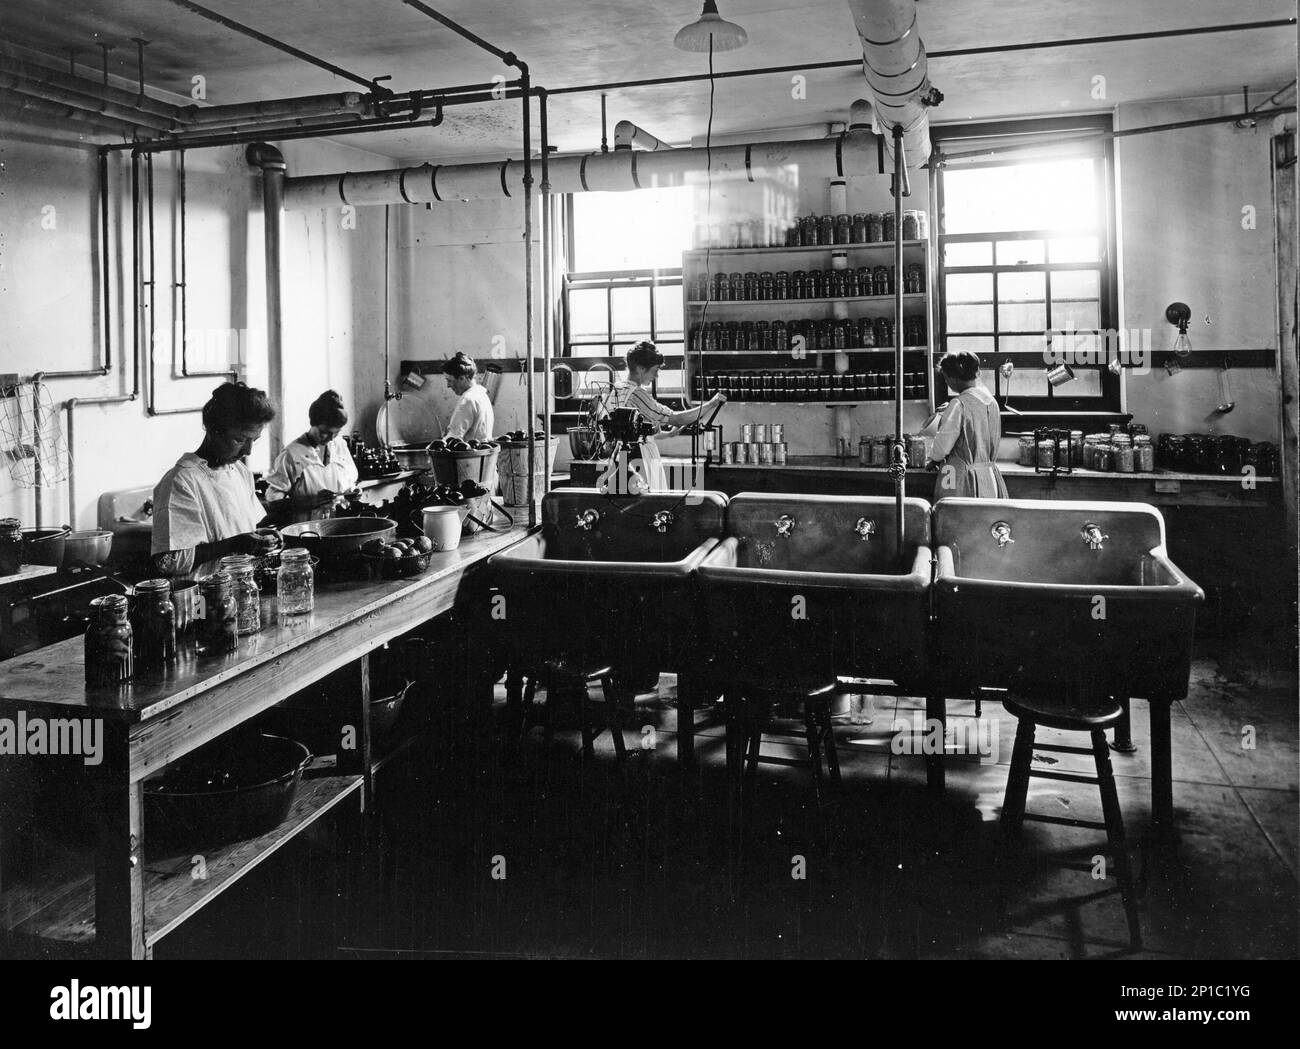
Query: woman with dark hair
x=473 y=418
x=315 y=469
x=966 y=434
x=643 y=363
x=205 y=506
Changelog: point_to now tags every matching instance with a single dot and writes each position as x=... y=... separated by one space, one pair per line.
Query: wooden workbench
x=124 y=908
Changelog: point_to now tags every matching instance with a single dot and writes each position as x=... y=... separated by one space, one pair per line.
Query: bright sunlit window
x=637 y=230
x=1024 y=251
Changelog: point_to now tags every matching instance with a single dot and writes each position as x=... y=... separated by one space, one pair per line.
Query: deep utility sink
x=1050 y=595
x=811 y=587
x=609 y=576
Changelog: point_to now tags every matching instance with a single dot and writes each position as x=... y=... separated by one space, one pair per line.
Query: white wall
x=1181 y=196
x=50 y=301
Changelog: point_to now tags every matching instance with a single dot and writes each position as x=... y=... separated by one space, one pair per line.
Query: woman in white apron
x=966 y=434
x=315 y=469
x=643 y=364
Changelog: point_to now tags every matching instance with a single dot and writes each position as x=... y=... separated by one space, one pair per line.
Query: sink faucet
x=662 y=521
x=865 y=529
x=1001 y=531
x=1092 y=536
x=586 y=520
x=784 y=525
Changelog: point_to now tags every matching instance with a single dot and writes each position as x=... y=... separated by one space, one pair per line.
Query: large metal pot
x=236 y=789
x=89 y=547
x=339 y=537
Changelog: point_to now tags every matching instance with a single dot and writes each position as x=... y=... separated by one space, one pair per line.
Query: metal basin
x=1049 y=609
x=616 y=588
x=820 y=600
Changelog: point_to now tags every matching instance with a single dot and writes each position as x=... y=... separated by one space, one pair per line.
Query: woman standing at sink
x=966 y=432
x=643 y=364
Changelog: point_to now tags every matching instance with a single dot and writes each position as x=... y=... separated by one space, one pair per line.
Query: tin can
x=761 y=432
x=765 y=454
x=739 y=453
x=728 y=454
x=755 y=452
x=778 y=453
x=746 y=433
x=777 y=431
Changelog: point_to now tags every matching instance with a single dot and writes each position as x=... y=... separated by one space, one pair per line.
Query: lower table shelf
x=62 y=909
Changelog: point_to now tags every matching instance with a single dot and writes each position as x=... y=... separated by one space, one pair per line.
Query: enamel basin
x=811 y=597
x=1040 y=606
x=609 y=576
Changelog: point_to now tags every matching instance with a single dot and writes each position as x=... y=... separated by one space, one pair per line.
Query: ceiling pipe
x=271 y=162
x=895 y=65
x=40 y=73
x=203 y=117
x=110 y=110
x=628 y=136
x=853 y=153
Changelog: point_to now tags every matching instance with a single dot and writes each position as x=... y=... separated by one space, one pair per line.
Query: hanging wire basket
x=31 y=439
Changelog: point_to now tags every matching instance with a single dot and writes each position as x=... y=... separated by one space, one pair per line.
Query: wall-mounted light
x=1179 y=314
x=710 y=32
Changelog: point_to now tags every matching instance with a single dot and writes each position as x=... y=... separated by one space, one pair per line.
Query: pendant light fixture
x=1178 y=314
x=710 y=32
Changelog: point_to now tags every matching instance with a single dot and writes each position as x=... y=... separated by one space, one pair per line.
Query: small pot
x=44 y=546
x=90 y=547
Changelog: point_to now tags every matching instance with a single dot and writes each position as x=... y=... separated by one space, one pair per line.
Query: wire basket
x=31 y=439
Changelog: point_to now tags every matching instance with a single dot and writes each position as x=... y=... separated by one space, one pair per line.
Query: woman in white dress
x=966 y=434
x=643 y=364
x=315 y=469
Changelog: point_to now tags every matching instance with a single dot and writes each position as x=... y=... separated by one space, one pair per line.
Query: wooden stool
x=1093 y=715
x=746 y=723
x=559 y=674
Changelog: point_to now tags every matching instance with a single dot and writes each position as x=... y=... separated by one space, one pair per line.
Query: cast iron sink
x=809 y=586
x=609 y=576
x=1049 y=595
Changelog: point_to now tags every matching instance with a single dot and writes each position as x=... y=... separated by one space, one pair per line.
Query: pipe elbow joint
x=265 y=156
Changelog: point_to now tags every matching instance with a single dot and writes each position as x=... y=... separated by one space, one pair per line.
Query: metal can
x=777 y=432
x=746 y=433
x=760 y=433
x=728 y=454
x=765 y=455
x=779 y=453
x=740 y=453
x=755 y=453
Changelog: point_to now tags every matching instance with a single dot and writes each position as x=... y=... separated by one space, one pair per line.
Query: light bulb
x=1182 y=344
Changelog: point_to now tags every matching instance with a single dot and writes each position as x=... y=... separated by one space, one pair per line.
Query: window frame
x=1111 y=397
x=607 y=350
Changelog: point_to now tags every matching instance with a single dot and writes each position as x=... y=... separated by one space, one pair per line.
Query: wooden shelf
x=63 y=909
x=910 y=296
x=810 y=353
x=780 y=249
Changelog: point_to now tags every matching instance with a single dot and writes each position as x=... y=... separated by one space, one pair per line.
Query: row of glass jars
x=121 y=638
x=1105 y=452
x=1215 y=453
x=758 y=336
x=859 y=228
x=878 y=450
x=781 y=285
x=808 y=386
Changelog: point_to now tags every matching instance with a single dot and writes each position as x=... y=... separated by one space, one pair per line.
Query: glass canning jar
x=218 y=626
x=248 y=595
x=154 y=623
x=296 y=587
x=109 y=656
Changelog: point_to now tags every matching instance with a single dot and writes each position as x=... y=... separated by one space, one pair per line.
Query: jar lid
x=154 y=586
x=10 y=524
x=295 y=555
x=112 y=604
x=215 y=581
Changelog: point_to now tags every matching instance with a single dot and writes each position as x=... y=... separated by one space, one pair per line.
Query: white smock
x=304 y=470
x=473 y=418
x=966 y=446
x=196 y=503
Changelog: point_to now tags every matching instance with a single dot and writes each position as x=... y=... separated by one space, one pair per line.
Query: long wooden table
x=124 y=909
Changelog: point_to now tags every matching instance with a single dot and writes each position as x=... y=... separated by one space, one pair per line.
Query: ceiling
x=583 y=42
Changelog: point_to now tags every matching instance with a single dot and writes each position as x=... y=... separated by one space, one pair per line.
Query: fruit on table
x=393 y=553
x=424 y=544
x=373 y=547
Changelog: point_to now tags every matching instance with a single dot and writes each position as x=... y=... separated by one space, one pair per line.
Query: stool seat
x=746 y=704
x=1070 y=713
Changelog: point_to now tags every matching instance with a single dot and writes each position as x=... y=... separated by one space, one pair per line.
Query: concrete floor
x=640 y=861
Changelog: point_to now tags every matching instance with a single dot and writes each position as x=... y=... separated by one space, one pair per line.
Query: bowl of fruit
x=398 y=558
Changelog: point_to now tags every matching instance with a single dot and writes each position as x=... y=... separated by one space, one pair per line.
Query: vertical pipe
x=104 y=269
x=150 y=284
x=69 y=405
x=900 y=470
x=135 y=257
x=272 y=205
x=526 y=89
x=548 y=277
x=36 y=443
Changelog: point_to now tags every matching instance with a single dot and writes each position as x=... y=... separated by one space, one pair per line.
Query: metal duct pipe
x=894 y=63
x=269 y=159
x=853 y=153
x=39 y=73
x=52 y=93
x=628 y=136
x=28 y=107
x=277 y=109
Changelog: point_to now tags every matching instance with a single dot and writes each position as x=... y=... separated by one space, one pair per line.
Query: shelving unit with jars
x=809 y=321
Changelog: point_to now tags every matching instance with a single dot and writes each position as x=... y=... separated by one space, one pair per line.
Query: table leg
x=119 y=859
x=936 y=709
